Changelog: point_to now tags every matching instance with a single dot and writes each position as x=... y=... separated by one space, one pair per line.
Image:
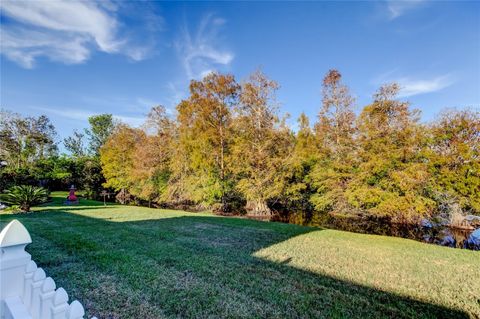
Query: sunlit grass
x=405 y=267
x=136 y=262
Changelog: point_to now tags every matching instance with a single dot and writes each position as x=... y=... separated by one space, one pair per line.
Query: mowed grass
x=136 y=262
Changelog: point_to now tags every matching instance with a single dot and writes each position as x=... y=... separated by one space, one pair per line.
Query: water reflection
x=446 y=236
x=426 y=231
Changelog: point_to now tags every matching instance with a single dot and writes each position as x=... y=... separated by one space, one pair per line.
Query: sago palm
x=25 y=196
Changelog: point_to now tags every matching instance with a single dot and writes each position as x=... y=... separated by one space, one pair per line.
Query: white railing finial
x=14 y=234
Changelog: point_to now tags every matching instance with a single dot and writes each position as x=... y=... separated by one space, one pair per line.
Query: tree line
x=228 y=149
x=29 y=153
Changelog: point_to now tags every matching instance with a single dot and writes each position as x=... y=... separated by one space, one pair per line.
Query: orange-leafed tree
x=151 y=158
x=262 y=145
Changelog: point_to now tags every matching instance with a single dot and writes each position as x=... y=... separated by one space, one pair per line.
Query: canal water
x=425 y=232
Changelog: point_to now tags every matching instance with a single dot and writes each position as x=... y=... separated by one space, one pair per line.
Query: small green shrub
x=24 y=196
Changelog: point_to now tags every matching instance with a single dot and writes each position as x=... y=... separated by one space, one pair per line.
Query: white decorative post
x=27 y=282
x=46 y=298
x=75 y=311
x=60 y=304
x=25 y=291
x=13 y=259
x=38 y=280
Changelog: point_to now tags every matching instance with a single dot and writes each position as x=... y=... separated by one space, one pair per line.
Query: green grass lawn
x=136 y=262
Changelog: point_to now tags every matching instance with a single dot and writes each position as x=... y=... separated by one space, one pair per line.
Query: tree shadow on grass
x=198 y=266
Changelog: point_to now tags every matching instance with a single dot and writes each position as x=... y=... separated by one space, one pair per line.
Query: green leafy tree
x=392 y=178
x=335 y=128
x=204 y=128
x=91 y=179
x=101 y=127
x=117 y=155
x=87 y=156
x=335 y=137
x=300 y=165
x=75 y=144
x=454 y=157
x=24 y=140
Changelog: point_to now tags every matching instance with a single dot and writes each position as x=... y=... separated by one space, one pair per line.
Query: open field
x=136 y=262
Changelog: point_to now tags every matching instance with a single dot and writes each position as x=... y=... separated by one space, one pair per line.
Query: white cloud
x=199 y=52
x=84 y=115
x=24 y=46
x=410 y=87
x=63 y=31
x=396 y=8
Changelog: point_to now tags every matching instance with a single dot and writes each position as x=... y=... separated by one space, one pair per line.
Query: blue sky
x=70 y=60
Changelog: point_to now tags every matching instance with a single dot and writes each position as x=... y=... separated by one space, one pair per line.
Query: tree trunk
x=222 y=170
x=258 y=208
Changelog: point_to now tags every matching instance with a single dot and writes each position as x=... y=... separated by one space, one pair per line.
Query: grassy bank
x=136 y=262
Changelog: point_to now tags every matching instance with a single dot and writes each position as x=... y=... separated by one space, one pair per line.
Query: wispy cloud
x=79 y=115
x=200 y=52
x=397 y=8
x=411 y=87
x=64 y=31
